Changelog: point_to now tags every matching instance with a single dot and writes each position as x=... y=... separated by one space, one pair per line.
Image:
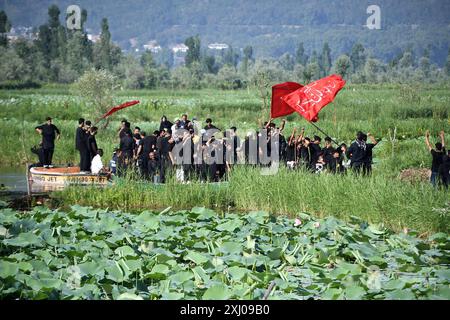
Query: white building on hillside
x=152 y=46
x=218 y=46
x=180 y=48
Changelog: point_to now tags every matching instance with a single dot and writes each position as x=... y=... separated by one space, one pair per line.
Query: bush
x=19 y=85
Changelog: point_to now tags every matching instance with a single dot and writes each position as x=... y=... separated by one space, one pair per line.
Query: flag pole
x=324 y=133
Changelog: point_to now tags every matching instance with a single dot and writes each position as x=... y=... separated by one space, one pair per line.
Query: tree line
x=61 y=55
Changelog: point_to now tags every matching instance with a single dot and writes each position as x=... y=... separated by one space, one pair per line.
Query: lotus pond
x=86 y=253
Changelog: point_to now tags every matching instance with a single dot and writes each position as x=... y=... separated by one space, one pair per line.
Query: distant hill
x=271 y=27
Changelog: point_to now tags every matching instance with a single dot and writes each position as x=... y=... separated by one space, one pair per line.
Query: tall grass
x=374 y=108
x=376 y=199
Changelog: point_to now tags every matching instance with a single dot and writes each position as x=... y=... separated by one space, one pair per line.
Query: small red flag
x=119 y=107
x=309 y=100
x=280 y=108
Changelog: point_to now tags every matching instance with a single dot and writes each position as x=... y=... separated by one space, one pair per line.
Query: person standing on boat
x=81 y=145
x=49 y=133
x=127 y=145
x=92 y=143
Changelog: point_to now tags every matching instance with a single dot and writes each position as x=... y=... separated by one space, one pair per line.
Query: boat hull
x=65 y=176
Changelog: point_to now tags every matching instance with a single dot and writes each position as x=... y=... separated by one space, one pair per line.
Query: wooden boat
x=61 y=176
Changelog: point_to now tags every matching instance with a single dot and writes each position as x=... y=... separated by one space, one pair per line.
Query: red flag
x=309 y=100
x=119 y=107
x=280 y=108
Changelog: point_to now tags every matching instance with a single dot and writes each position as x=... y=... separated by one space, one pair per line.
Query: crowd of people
x=195 y=152
x=192 y=151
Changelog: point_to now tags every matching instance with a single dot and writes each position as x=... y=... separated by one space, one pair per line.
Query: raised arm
x=268 y=123
x=427 y=140
x=283 y=123
x=292 y=136
x=301 y=136
x=372 y=138
x=442 y=135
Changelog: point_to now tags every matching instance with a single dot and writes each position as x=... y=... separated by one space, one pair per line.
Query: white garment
x=96 y=164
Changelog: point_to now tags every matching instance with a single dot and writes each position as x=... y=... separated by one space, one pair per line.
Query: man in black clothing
x=184 y=123
x=124 y=127
x=49 y=133
x=92 y=143
x=81 y=145
x=209 y=124
x=127 y=145
x=165 y=124
x=153 y=166
x=147 y=144
x=444 y=170
x=367 y=168
x=164 y=145
x=357 y=153
x=335 y=165
x=437 y=154
x=306 y=155
x=315 y=150
x=328 y=151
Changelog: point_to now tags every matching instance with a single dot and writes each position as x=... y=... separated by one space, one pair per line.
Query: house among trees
x=152 y=46
x=93 y=37
x=218 y=46
x=181 y=47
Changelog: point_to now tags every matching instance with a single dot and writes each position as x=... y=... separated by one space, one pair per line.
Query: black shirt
x=92 y=145
x=163 y=146
x=328 y=154
x=438 y=158
x=127 y=145
x=357 y=152
x=306 y=154
x=80 y=139
x=48 y=135
x=315 y=151
x=369 y=147
x=148 y=145
x=290 y=152
x=166 y=125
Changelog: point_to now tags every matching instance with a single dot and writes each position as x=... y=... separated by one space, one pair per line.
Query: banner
x=310 y=99
x=278 y=107
x=119 y=107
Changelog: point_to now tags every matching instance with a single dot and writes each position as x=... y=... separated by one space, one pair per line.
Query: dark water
x=14 y=180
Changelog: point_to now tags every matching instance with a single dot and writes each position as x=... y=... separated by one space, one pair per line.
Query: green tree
x=193 y=54
x=325 y=59
x=311 y=71
x=226 y=78
x=287 y=61
x=15 y=69
x=97 y=87
x=425 y=66
x=5 y=27
x=248 y=56
x=231 y=58
x=105 y=46
x=76 y=52
x=407 y=60
x=149 y=69
x=54 y=28
x=343 y=65
x=358 y=56
x=447 y=64
x=44 y=44
x=209 y=62
x=300 y=56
